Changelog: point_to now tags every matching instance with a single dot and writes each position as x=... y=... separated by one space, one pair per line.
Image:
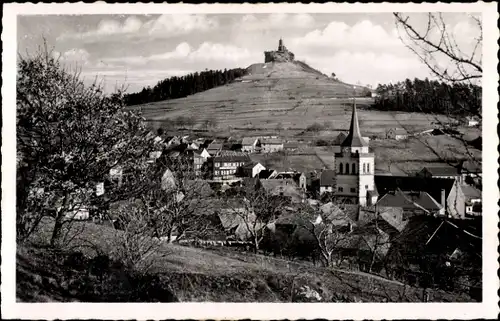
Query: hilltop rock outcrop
x=280 y=55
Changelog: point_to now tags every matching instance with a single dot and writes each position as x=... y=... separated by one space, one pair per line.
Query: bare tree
x=437 y=46
x=178 y=202
x=328 y=234
x=256 y=208
x=438 y=49
x=134 y=243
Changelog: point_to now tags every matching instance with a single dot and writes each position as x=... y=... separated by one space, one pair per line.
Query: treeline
x=179 y=87
x=430 y=96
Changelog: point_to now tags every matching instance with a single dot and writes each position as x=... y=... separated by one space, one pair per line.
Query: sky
x=139 y=50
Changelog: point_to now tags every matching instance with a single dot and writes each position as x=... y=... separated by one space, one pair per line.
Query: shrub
x=316 y=127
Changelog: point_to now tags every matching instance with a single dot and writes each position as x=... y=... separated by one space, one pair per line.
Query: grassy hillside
x=291 y=94
x=192 y=274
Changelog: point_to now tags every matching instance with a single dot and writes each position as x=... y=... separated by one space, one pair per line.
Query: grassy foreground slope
x=192 y=274
x=290 y=94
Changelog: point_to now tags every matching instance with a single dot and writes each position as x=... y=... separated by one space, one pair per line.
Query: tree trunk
x=56 y=232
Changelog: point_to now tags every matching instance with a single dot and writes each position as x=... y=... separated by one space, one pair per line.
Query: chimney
x=443 y=198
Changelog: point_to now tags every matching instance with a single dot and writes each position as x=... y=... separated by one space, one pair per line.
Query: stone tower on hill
x=281 y=55
x=355 y=167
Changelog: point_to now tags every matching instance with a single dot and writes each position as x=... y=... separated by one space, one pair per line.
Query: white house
x=472 y=121
x=252 y=169
x=397 y=133
x=271 y=145
x=464 y=201
x=327 y=182
x=250 y=144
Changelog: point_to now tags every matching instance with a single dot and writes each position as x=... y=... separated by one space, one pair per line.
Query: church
x=355 y=168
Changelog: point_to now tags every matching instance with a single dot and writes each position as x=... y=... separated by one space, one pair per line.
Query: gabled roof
x=399 y=131
x=470 y=192
x=432 y=186
x=339 y=139
x=409 y=201
x=231 y=156
x=442 y=170
x=249 y=141
x=327 y=178
x=264 y=174
x=354 y=138
x=470 y=166
x=291 y=145
x=277 y=186
x=271 y=141
x=250 y=165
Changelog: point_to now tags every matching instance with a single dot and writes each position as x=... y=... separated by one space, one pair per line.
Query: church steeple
x=354 y=138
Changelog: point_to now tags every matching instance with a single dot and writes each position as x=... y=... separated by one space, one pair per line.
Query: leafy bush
x=316 y=127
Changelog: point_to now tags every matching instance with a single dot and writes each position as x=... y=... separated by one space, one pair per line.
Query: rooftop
x=442 y=170
x=248 y=141
x=470 y=191
x=409 y=200
x=354 y=138
x=227 y=155
x=272 y=141
x=399 y=131
x=327 y=178
x=432 y=186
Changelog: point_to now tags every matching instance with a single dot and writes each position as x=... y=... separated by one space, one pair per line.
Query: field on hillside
x=285 y=95
x=195 y=275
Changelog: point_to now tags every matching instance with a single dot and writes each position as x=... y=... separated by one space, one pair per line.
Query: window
x=364 y=168
x=341 y=168
x=353 y=190
x=368 y=168
x=217 y=164
x=347 y=168
x=354 y=168
x=341 y=189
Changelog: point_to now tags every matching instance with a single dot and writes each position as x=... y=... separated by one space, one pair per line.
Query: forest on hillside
x=179 y=87
x=430 y=96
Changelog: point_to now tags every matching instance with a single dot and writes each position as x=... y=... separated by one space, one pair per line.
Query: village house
x=338 y=141
x=327 y=182
x=250 y=144
x=291 y=146
x=267 y=173
x=472 y=121
x=271 y=145
x=438 y=188
x=412 y=203
x=251 y=169
x=464 y=201
x=226 y=164
x=470 y=172
x=286 y=188
x=444 y=171
x=200 y=158
x=215 y=147
x=299 y=178
x=397 y=133
x=172 y=141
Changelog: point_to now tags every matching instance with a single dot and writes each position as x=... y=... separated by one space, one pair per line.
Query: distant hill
x=288 y=95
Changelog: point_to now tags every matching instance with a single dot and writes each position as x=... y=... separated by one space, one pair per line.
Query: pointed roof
x=354 y=138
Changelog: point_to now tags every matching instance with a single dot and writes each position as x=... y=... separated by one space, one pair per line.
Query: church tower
x=281 y=48
x=355 y=167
